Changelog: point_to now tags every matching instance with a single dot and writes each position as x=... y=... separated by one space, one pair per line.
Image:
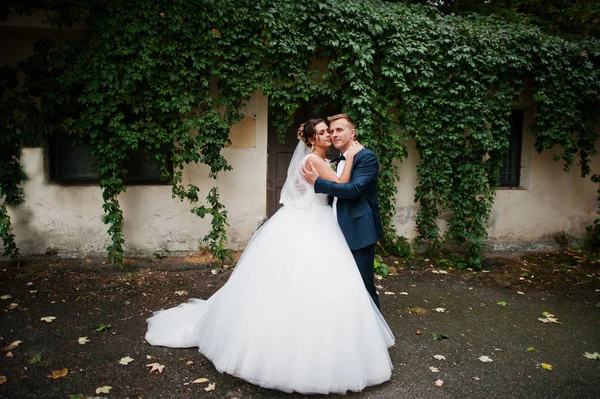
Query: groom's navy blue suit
x=358 y=213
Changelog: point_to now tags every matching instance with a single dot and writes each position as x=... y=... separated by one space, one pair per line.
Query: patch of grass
x=417 y=310
x=453 y=261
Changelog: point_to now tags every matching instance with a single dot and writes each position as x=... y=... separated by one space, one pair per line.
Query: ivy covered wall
x=142 y=71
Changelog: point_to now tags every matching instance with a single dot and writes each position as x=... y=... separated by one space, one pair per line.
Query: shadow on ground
x=492 y=315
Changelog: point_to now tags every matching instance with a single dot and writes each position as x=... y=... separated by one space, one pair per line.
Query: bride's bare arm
x=352 y=151
x=323 y=168
x=325 y=171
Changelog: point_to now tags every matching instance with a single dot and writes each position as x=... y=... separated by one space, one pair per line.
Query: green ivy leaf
x=104 y=327
x=439 y=336
x=35 y=360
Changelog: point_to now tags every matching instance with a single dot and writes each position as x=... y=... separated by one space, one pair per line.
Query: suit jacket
x=357 y=205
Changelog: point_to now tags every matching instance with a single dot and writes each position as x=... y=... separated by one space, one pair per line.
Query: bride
x=294 y=315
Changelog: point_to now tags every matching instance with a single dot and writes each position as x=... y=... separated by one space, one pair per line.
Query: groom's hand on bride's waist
x=310 y=173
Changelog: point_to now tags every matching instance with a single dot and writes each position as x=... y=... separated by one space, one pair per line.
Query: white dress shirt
x=338 y=172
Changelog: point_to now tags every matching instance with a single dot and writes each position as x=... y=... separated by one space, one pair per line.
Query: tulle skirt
x=293 y=316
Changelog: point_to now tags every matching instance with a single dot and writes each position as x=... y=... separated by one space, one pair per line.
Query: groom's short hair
x=341 y=116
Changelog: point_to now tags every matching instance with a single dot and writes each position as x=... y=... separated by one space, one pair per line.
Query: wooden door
x=280 y=153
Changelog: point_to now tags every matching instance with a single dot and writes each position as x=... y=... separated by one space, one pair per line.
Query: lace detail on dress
x=304 y=192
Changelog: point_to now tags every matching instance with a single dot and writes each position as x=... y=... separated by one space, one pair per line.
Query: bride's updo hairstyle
x=307 y=130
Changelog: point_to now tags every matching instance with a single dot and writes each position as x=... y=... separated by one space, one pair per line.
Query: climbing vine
x=11 y=174
x=172 y=77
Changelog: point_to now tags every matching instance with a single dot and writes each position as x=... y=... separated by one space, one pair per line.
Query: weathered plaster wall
x=69 y=218
x=554 y=202
x=550 y=201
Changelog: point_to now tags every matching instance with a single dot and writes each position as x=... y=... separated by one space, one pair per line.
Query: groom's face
x=342 y=134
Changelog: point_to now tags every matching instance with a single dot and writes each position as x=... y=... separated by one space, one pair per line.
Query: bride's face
x=322 y=136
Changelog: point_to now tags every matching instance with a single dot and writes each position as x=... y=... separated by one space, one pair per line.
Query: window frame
x=515 y=148
x=56 y=175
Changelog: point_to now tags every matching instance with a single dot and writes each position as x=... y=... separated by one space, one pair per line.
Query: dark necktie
x=339 y=158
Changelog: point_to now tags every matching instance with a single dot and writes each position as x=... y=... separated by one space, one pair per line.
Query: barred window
x=73 y=165
x=510 y=172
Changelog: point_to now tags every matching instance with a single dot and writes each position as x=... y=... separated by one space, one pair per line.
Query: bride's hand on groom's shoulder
x=354 y=149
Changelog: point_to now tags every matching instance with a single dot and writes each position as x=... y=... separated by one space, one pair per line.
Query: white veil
x=296 y=191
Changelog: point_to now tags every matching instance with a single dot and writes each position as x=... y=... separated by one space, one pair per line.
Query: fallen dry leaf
x=8 y=296
x=2 y=379
x=48 y=319
x=82 y=340
x=440 y=310
x=439 y=383
x=180 y=293
x=200 y=380
x=434 y=369
x=104 y=389
x=549 y=318
x=125 y=360
x=211 y=387
x=189 y=362
x=439 y=357
x=13 y=305
x=156 y=367
x=419 y=332
x=485 y=359
x=58 y=373
x=9 y=354
x=546 y=366
x=404 y=293
x=13 y=345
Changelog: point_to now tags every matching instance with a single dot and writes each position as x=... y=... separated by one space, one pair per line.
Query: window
x=73 y=165
x=510 y=171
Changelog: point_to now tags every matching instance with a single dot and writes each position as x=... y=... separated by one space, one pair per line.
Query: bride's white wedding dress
x=294 y=315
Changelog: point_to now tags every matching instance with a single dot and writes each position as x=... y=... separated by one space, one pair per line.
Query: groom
x=354 y=203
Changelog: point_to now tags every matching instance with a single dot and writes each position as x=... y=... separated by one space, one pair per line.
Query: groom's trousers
x=365 y=258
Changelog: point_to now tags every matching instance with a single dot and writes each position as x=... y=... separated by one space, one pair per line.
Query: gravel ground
x=494 y=313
